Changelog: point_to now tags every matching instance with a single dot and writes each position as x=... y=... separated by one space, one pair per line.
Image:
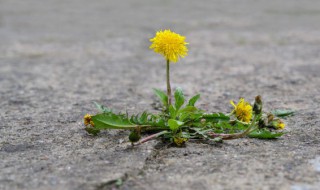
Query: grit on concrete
x=58 y=56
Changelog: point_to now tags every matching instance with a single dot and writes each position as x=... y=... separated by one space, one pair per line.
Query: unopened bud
x=270 y=117
x=134 y=136
x=257 y=106
x=179 y=141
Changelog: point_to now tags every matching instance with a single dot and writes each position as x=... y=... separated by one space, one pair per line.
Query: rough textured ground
x=57 y=56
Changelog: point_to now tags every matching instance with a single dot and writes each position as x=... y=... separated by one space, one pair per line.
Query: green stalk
x=168 y=83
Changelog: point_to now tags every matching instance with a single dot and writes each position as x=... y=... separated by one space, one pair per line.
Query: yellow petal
x=232 y=103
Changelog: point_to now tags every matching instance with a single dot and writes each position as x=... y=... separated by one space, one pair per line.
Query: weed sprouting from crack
x=180 y=120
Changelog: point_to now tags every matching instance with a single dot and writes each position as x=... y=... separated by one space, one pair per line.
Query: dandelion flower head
x=243 y=110
x=87 y=120
x=169 y=44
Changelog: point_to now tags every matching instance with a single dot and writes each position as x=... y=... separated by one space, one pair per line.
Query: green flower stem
x=236 y=135
x=168 y=83
x=151 y=137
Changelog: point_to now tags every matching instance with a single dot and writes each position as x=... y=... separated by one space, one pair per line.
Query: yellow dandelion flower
x=179 y=141
x=169 y=44
x=87 y=119
x=243 y=110
x=279 y=124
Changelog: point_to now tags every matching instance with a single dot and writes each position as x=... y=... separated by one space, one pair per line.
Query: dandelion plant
x=180 y=120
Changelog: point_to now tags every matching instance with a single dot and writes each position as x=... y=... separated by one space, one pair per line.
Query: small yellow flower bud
x=179 y=141
x=87 y=120
x=278 y=124
x=281 y=125
x=270 y=117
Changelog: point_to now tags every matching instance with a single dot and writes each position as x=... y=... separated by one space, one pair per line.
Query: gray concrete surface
x=58 y=56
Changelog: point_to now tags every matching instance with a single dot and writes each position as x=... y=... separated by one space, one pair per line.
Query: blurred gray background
x=57 y=56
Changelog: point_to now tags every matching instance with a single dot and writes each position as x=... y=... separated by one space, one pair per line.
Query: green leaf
x=215 y=117
x=265 y=134
x=119 y=182
x=282 y=113
x=186 y=112
x=112 y=121
x=185 y=135
x=240 y=126
x=143 y=118
x=193 y=100
x=184 y=116
x=196 y=115
x=179 y=98
x=162 y=96
x=172 y=112
x=188 y=109
x=102 y=108
x=174 y=124
x=202 y=132
x=148 y=119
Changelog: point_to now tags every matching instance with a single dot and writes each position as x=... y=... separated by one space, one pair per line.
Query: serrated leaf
x=282 y=113
x=265 y=134
x=145 y=115
x=112 y=121
x=174 y=124
x=162 y=96
x=102 y=108
x=215 y=117
x=134 y=119
x=179 y=98
x=143 y=118
x=193 y=100
x=157 y=122
x=202 y=132
x=148 y=119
